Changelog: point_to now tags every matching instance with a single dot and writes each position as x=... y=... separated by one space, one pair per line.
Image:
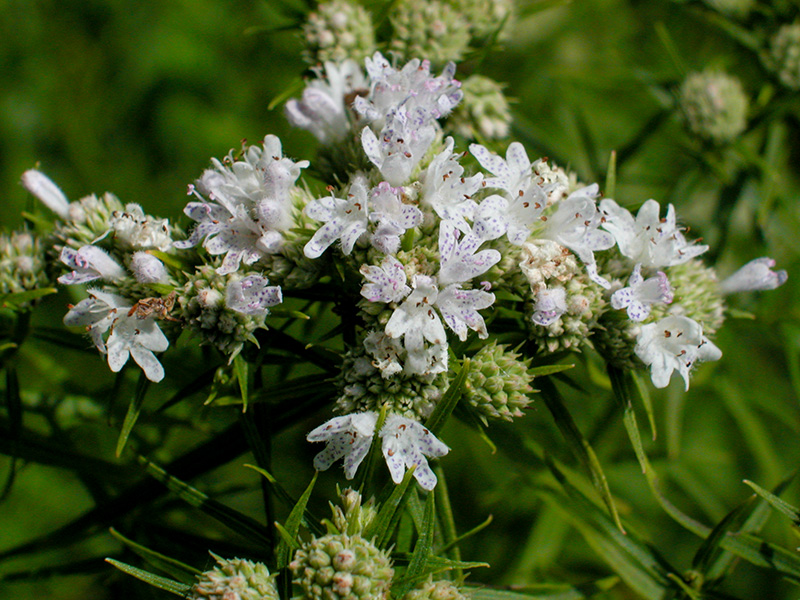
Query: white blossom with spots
x=648 y=239
x=345 y=219
x=642 y=293
x=347 y=437
x=386 y=283
x=129 y=335
x=512 y=174
x=447 y=191
x=674 y=343
x=461 y=261
x=406 y=443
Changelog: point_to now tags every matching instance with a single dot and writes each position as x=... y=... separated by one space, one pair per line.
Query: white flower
x=252 y=295
x=755 y=275
x=512 y=174
x=324 y=108
x=41 y=186
x=348 y=436
x=134 y=230
x=385 y=352
x=575 y=225
x=673 y=344
x=129 y=335
x=648 y=239
x=344 y=218
x=146 y=268
x=405 y=444
x=641 y=293
x=87 y=264
x=447 y=191
x=393 y=217
x=460 y=308
x=550 y=305
x=386 y=283
x=460 y=259
x=400 y=146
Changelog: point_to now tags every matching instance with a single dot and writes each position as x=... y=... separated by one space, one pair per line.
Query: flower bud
x=237 y=579
x=714 y=106
x=338 y=30
x=784 y=55
x=146 y=268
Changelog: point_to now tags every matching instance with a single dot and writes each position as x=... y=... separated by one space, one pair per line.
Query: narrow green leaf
x=240 y=367
x=388 y=516
x=284 y=551
x=580 y=446
x=277 y=488
x=643 y=393
x=449 y=400
x=234 y=520
x=690 y=593
x=422 y=550
x=444 y=510
x=182 y=572
x=777 y=503
x=439 y=564
x=291 y=90
x=764 y=554
x=134 y=408
x=672 y=50
x=543 y=370
x=287 y=539
x=162 y=583
x=14 y=408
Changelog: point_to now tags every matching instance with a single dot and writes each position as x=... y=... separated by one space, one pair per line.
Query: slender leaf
x=611 y=176
x=468 y=534
x=702 y=559
x=544 y=592
x=292 y=527
x=162 y=583
x=388 y=516
x=240 y=367
x=777 y=503
x=422 y=550
x=134 y=408
x=20 y=298
x=449 y=400
x=236 y=521
x=171 y=566
x=14 y=408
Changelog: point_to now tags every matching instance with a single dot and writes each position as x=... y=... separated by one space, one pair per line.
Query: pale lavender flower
x=323 y=109
x=551 y=303
x=393 y=217
x=648 y=239
x=386 y=283
x=252 y=295
x=347 y=437
x=575 y=225
x=400 y=146
x=755 y=275
x=406 y=443
x=344 y=218
x=89 y=263
x=41 y=186
x=134 y=230
x=386 y=353
x=642 y=293
x=674 y=343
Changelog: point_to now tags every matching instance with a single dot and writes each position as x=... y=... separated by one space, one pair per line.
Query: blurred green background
x=134 y=97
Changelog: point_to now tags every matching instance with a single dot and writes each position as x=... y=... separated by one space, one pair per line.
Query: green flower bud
x=339 y=566
x=204 y=310
x=22 y=263
x=498 y=383
x=429 y=29
x=353 y=517
x=89 y=219
x=784 y=55
x=338 y=30
x=714 y=106
x=484 y=16
x=484 y=112
x=439 y=590
x=235 y=579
